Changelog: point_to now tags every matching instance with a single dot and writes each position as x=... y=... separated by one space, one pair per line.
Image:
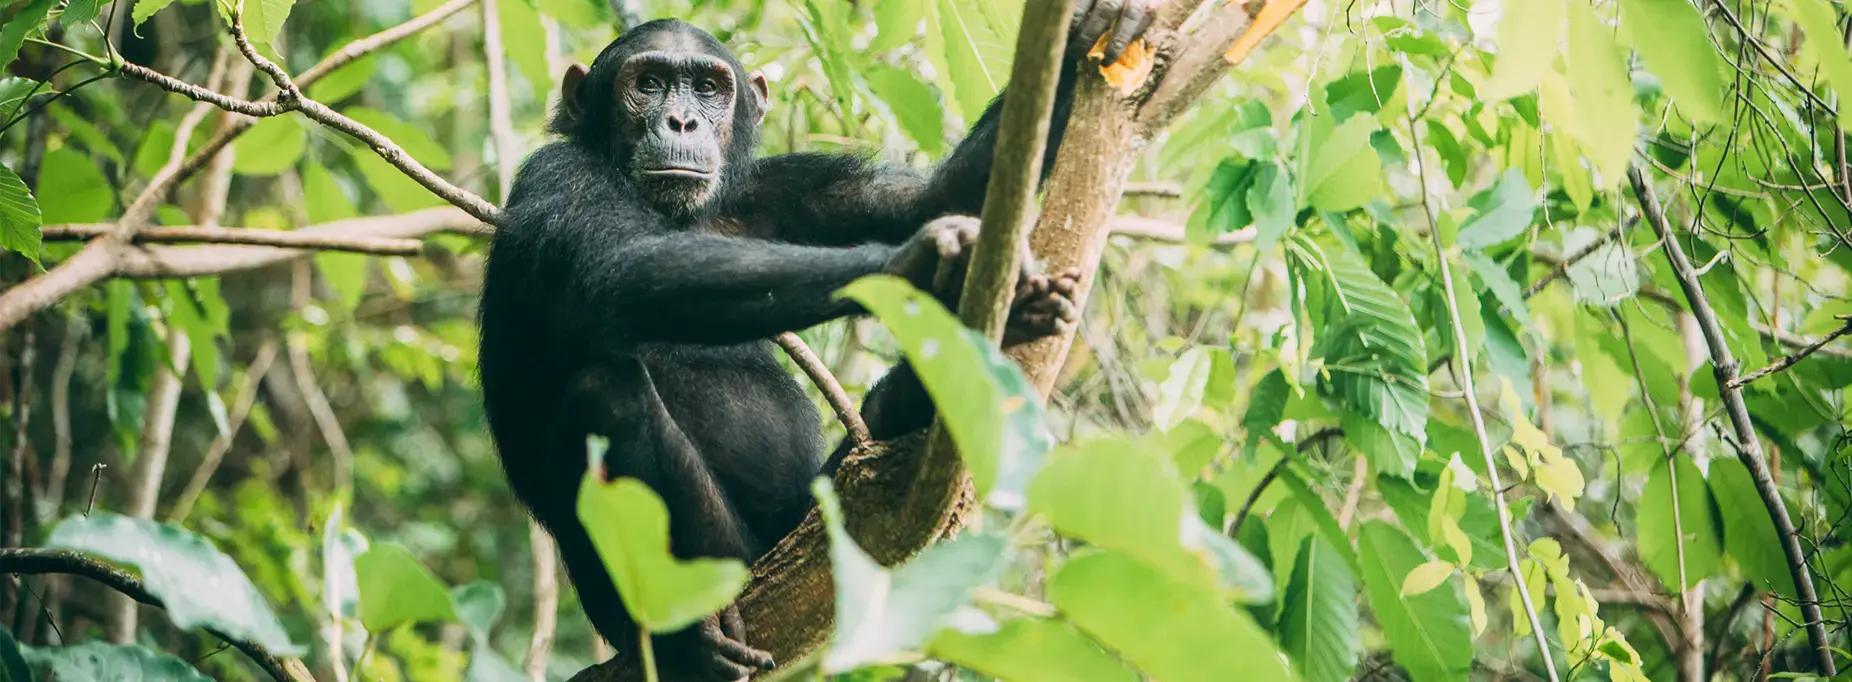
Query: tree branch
x=820 y=375
x=1791 y=360
x=65 y=562
x=378 y=246
x=1749 y=447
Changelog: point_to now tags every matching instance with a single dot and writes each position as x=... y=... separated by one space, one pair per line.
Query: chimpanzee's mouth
x=678 y=173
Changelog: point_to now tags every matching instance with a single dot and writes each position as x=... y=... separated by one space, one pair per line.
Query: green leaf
x=1528 y=39
x=1344 y=172
x=183 y=569
x=1429 y=634
x=1182 y=391
x=576 y=13
x=1748 y=530
x=1501 y=213
x=86 y=133
x=72 y=189
x=345 y=81
x=1673 y=39
x=1498 y=281
x=1605 y=277
x=1603 y=95
x=1819 y=23
x=398 y=191
x=994 y=417
x=1374 y=352
x=479 y=604
x=415 y=140
x=1318 y=616
x=825 y=28
x=1426 y=577
x=487 y=666
x=19 y=217
x=270 y=147
x=13 y=94
x=629 y=525
x=977 y=60
x=1452 y=154
x=201 y=313
x=1171 y=630
x=880 y=614
x=897 y=21
x=1271 y=200
x=80 y=11
x=1659 y=544
x=147 y=8
x=29 y=18
x=1032 y=650
x=263 y=19
x=12 y=663
x=1266 y=407
x=912 y=103
x=395 y=589
x=525 y=41
x=102 y=662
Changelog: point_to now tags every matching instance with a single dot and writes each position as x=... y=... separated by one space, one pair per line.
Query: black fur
x=602 y=312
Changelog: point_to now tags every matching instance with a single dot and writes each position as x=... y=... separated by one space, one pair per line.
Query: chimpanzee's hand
x=714 y=650
x=1044 y=307
x=1127 y=19
x=943 y=245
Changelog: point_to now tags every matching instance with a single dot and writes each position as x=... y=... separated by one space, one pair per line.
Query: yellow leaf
x=1132 y=68
x=1265 y=23
x=1531 y=581
x=1476 y=601
x=1516 y=460
x=1426 y=577
x=1560 y=478
x=1456 y=538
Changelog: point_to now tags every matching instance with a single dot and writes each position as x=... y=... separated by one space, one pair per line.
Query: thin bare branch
x=378 y=246
x=215 y=453
x=820 y=375
x=1791 y=360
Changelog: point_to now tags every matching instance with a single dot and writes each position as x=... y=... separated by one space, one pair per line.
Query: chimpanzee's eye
x=707 y=86
x=649 y=84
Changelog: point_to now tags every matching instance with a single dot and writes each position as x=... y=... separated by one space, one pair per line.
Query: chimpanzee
x=646 y=259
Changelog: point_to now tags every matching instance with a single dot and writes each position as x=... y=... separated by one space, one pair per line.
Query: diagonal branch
x=1791 y=360
x=1749 y=447
x=380 y=246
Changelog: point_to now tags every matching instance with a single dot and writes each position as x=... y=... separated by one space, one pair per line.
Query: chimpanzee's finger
x=1100 y=18
x=1132 y=24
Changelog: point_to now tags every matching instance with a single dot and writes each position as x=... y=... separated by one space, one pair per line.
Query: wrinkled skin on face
x=679 y=113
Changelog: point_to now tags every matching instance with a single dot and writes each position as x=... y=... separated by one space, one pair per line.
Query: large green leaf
x=1604 y=105
x=1112 y=495
x=881 y=614
x=994 y=415
x=525 y=42
x=395 y=589
x=976 y=59
x=1344 y=171
x=263 y=19
x=479 y=605
x=1428 y=633
x=826 y=28
x=1529 y=36
x=79 y=11
x=1318 y=615
x=629 y=525
x=19 y=217
x=1181 y=394
x=1376 y=361
x=912 y=103
x=898 y=21
x=1748 y=530
x=271 y=146
x=102 y=662
x=1606 y=276
x=576 y=13
x=198 y=585
x=72 y=190
x=1170 y=629
x=1032 y=650
x=201 y=312
x=1673 y=39
x=346 y=273
x=345 y=81
x=1271 y=201
x=394 y=188
x=1659 y=543
x=1500 y=213
x=12 y=663
x=29 y=18
x=147 y=8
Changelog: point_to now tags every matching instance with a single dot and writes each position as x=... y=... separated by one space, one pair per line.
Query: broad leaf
x=1604 y=105
x=1318 y=615
x=101 y=662
x=1748 y=530
x=898 y=22
x=1501 y=213
x=1429 y=634
x=181 y=568
x=1181 y=394
x=29 y=18
x=1032 y=650
x=12 y=663
x=1659 y=542
x=977 y=60
x=1344 y=172
x=80 y=11
x=1819 y=23
x=1271 y=201
x=72 y=189
x=1673 y=39
x=270 y=147
x=912 y=103
x=882 y=614
x=1375 y=357
x=629 y=525
x=1604 y=277
x=1529 y=37
x=415 y=140
x=395 y=589
x=1170 y=630
x=19 y=217
x=479 y=605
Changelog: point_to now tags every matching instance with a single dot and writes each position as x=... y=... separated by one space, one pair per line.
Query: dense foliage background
x=1421 y=298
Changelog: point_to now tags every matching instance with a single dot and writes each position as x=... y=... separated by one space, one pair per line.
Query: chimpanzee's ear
x=762 y=94
x=569 y=88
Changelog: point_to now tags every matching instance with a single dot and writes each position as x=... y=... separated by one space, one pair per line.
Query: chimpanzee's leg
x=619 y=401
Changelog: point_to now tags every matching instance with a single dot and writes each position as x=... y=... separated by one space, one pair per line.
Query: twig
x=66 y=562
x=1791 y=360
x=215 y=453
x=197 y=261
x=1562 y=267
x=501 y=120
x=546 y=599
x=250 y=236
x=1749 y=447
x=1170 y=190
x=1478 y=420
x=1797 y=342
x=202 y=95
x=820 y=375
x=76 y=325
x=1137 y=227
x=303 y=371
x=1273 y=473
